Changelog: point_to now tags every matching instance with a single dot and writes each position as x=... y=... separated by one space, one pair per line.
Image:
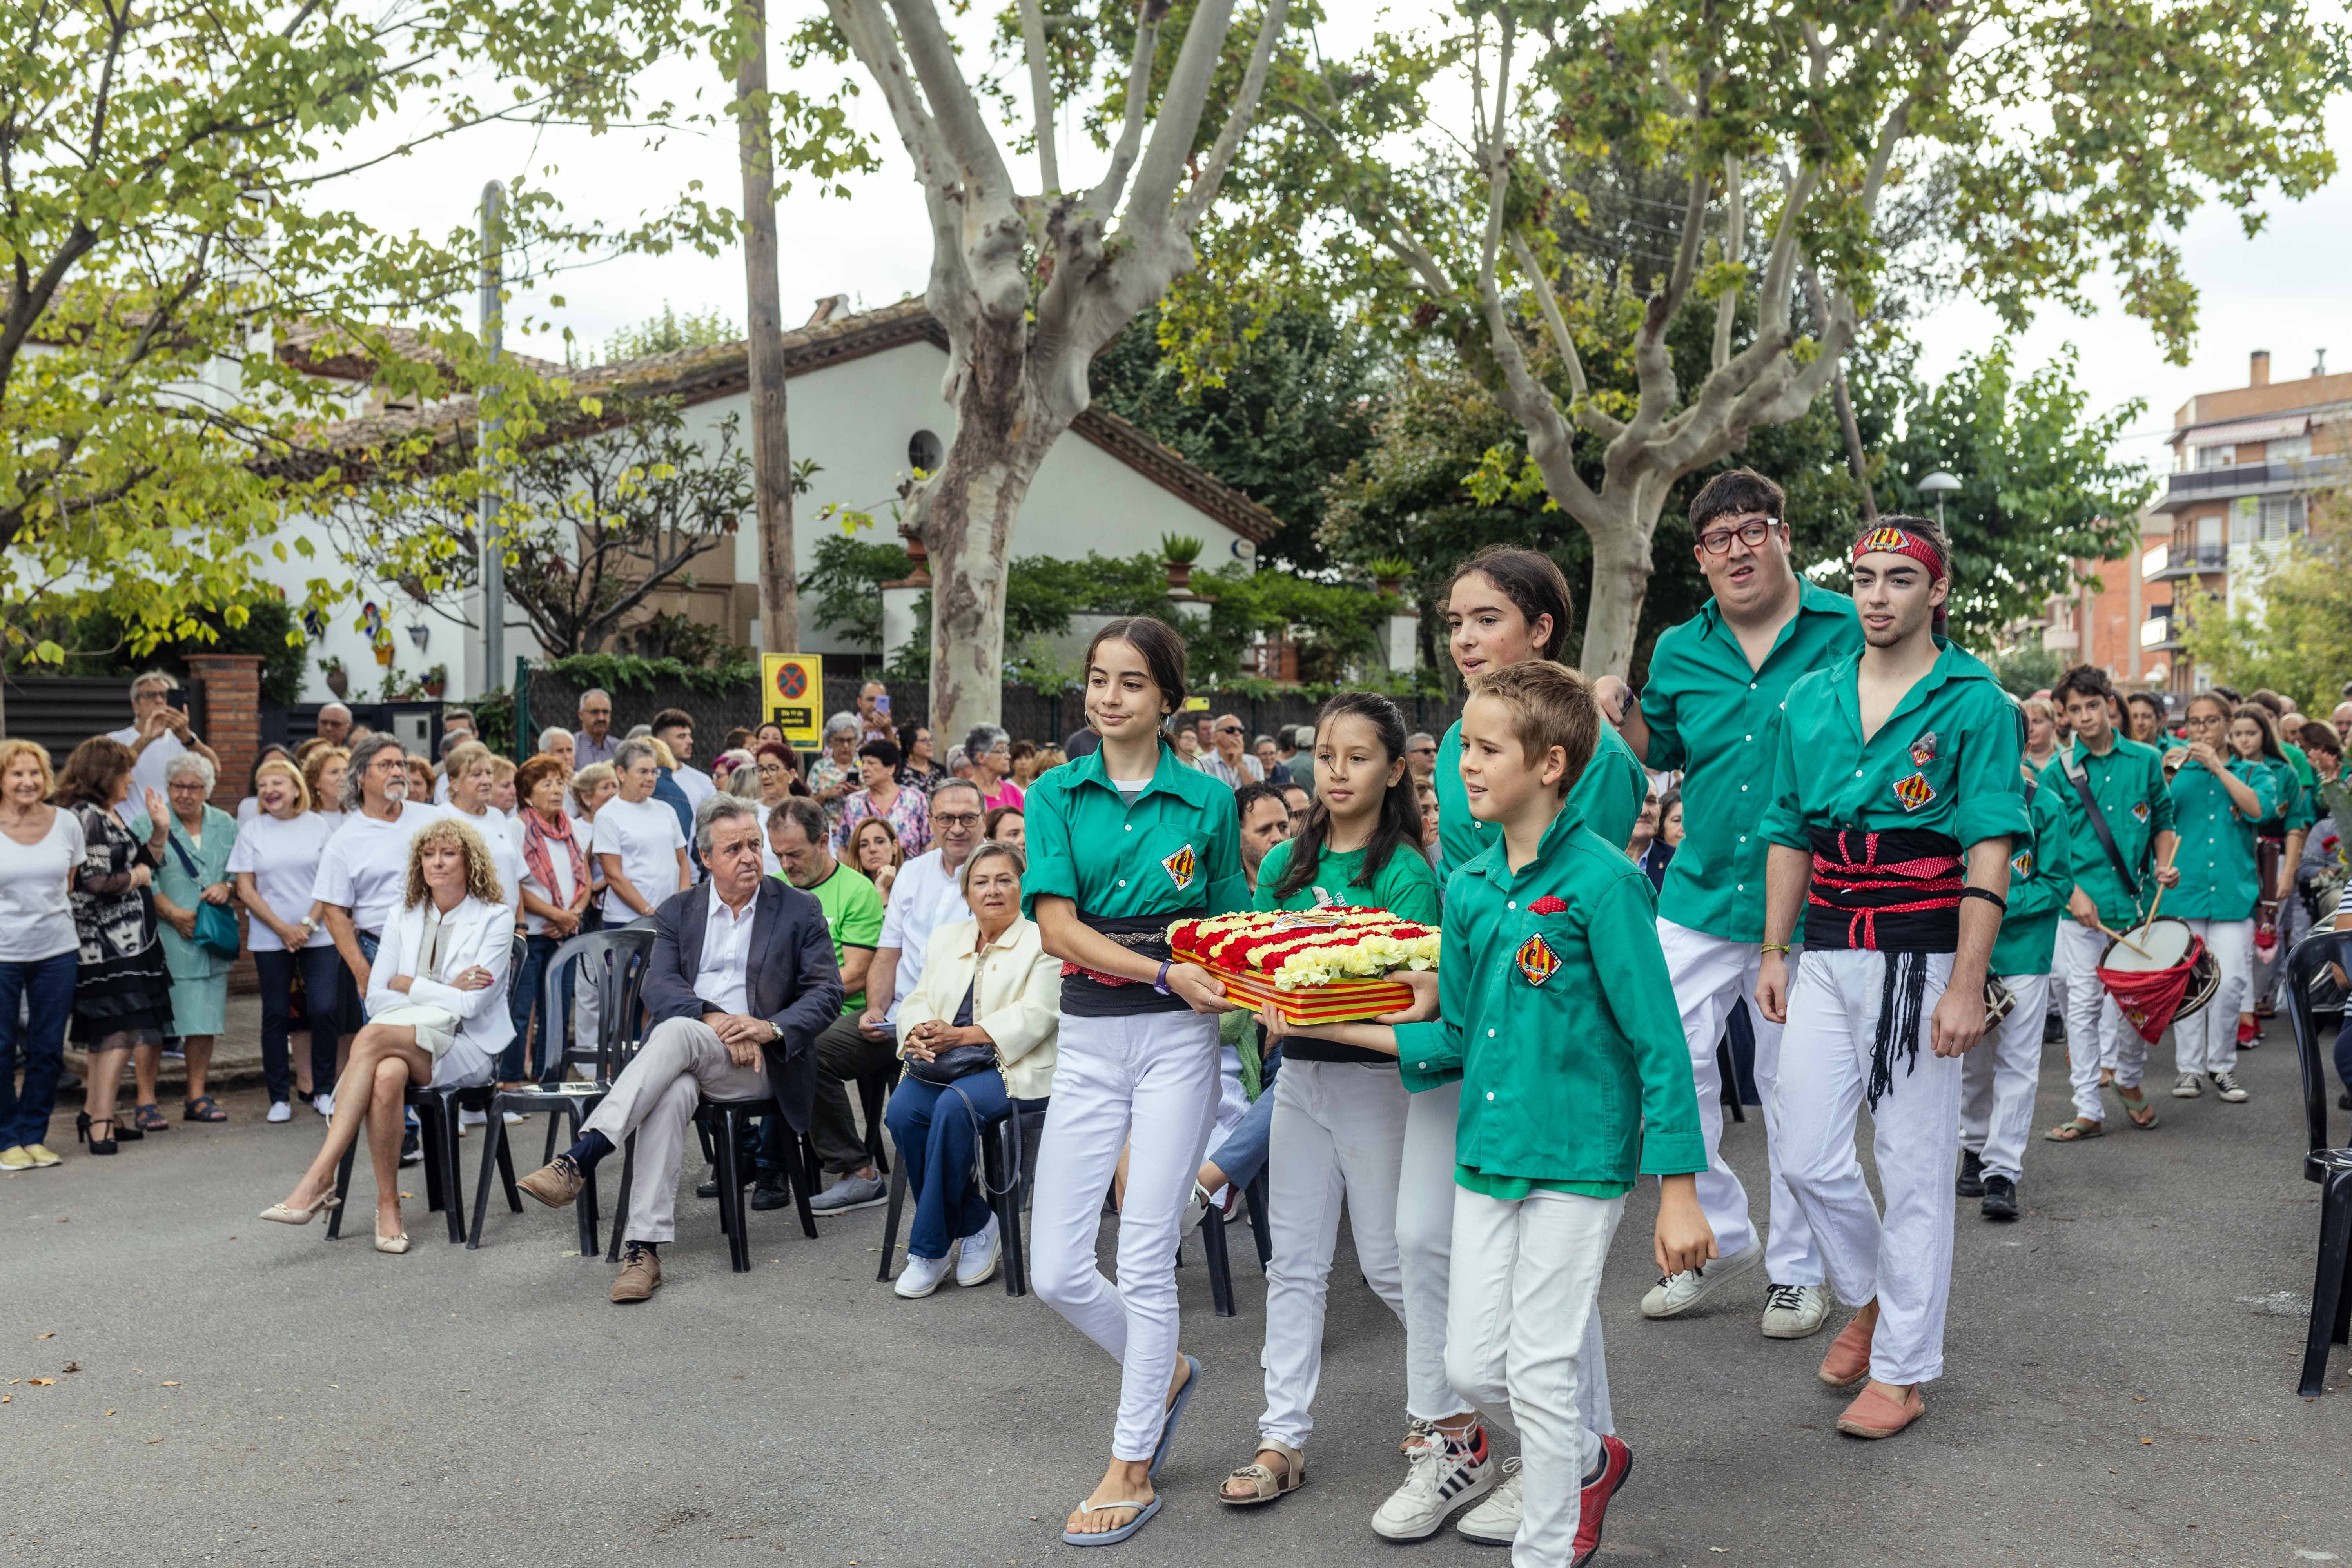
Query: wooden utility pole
x=771 y=454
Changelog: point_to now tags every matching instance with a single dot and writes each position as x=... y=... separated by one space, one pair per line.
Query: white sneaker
x=1495 y=1521
x=2227 y=1086
x=279 y=1111
x=1794 y=1311
x=1439 y=1479
x=981 y=1251
x=2185 y=1087
x=1678 y=1293
x=324 y=1104
x=512 y=1117
x=472 y=1118
x=922 y=1275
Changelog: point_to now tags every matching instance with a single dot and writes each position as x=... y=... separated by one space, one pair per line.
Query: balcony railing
x=2158 y=630
x=2245 y=479
x=2192 y=559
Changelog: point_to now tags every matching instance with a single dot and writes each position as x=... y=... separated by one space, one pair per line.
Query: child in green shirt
x=1554 y=1011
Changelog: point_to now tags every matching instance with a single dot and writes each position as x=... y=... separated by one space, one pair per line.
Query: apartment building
x=2246 y=463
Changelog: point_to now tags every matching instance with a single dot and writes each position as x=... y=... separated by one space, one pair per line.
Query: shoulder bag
x=2077 y=775
x=216 y=932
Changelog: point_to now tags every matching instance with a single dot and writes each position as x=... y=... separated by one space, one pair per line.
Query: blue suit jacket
x=794 y=981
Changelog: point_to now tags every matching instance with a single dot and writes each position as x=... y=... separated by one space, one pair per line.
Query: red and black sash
x=1892 y=892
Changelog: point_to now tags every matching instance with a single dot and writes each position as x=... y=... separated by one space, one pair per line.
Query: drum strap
x=2081 y=779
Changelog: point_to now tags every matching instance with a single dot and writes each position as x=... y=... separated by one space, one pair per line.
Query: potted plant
x=434 y=681
x=1388 y=572
x=339 y=679
x=1179 y=551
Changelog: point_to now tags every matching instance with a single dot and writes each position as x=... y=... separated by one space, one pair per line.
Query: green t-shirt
x=1405 y=887
x=853 y=916
x=2219 y=879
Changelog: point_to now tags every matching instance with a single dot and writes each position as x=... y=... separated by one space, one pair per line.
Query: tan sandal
x=1265 y=1486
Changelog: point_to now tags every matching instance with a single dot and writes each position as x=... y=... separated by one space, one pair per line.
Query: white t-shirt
x=284 y=859
x=922 y=900
x=505 y=848
x=147 y=772
x=366 y=868
x=36 y=919
x=695 y=785
x=247 y=810
x=644 y=836
x=559 y=866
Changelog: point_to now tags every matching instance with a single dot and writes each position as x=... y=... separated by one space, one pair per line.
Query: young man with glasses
x=1713 y=708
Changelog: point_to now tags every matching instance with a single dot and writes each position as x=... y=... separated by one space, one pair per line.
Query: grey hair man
x=595 y=740
x=556 y=742
x=157 y=733
x=334 y=724
x=363 y=873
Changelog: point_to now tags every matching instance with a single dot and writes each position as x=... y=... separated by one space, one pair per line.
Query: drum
x=2000 y=1002
x=2165 y=944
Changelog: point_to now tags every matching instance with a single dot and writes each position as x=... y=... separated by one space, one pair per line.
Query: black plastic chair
x=874 y=1093
x=1008 y=1168
x=613 y=963
x=2331 y=1289
x=726 y=1123
x=1212 y=1245
x=436 y=1123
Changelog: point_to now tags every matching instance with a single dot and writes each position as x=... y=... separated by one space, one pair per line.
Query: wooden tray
x=1340 y=1002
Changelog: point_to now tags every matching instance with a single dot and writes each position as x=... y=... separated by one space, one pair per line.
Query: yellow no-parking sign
x=791 y=694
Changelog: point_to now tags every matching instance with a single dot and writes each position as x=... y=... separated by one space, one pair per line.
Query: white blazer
x=1019 y=1001
x=476 y=932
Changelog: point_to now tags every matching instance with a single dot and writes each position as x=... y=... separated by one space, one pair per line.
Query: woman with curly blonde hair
x=437 y=1014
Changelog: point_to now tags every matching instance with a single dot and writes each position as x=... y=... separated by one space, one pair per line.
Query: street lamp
x=1938 y=484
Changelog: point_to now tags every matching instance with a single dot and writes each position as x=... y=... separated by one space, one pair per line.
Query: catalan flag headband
x=1889 y=540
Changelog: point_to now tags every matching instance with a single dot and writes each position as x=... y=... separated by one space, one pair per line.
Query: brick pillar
x=232 y=683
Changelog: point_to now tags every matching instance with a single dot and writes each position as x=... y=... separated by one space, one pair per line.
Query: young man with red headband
x=1717 y=686
x=1894 y=797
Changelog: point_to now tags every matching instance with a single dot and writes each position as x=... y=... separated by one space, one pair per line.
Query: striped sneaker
x=1441 y=1475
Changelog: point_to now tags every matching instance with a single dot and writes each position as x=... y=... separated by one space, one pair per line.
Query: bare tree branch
x=1104 y=197
x=955 y=112
x=1239 y=121
x=1179 y=120
x=1041 y=93
x=1735 y=233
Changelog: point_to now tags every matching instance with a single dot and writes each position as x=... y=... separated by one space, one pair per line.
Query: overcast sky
x=2278 y=291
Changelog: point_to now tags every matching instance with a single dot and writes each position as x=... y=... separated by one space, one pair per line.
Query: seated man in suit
x=742 y=982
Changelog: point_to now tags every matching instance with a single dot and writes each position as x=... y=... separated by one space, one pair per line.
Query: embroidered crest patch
x=1913 y=792
x=2140 y=811
x=1923 y=749
x=1180 y=868
x=1536 y=961
x=2021 y=863
x=1550 y=904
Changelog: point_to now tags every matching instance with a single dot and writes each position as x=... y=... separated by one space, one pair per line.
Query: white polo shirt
x=923 y=898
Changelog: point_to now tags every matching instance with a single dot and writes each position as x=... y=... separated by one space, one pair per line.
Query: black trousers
x=321 y=969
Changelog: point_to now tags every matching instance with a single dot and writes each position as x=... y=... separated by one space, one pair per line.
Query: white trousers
x=1904 y=1262
x=2096 y=1035
x=1424 y=1233
x=1998 y=1080
x=1337 y=1136
x=655 y=1098
x=1525 y=1297
x=1148 y=1084
x=1710 y=974
x=2207 y=1040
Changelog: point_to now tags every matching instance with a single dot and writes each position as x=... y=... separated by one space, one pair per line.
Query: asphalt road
x=2121 y=1387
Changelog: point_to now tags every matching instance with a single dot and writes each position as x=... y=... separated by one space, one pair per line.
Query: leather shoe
x=1971 y=1182
x=766 y=1196
x=1848 y=1362
x=640 y=1274
x=2000 y=1198
x=555 y=1184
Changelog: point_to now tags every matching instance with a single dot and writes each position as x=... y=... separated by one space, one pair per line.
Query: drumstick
x=2159 y=888
x=2118 y=936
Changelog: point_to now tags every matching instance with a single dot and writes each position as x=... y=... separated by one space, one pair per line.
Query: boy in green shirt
x=1554 y=1013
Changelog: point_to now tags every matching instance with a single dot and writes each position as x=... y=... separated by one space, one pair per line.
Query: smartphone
x=882 y=705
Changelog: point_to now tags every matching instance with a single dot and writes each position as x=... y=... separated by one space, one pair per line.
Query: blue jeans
x=2344 y=1035
x=529 y=1056
x=321 y=969
x=47 y=988
x=935 y=1139
x=1242 y=1156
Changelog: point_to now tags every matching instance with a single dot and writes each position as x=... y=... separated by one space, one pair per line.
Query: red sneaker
x=1616 y=1464
x=2249 y=1031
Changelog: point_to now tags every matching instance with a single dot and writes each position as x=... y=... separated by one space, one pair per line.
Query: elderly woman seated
x=437 y=1014
x=977 y=1037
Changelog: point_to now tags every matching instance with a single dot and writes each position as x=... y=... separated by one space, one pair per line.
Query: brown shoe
x=1848 y=1362
x=640 y=1274
x=555 y=1184
x=1874 y=1413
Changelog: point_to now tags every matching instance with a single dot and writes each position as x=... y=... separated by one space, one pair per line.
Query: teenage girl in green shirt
x=1339 y=1110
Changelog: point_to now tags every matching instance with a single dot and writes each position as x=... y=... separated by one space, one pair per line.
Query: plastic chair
x=874 y=1093
x=437 y=1122
x=2331 y=1289
x=613 y=963
x=725 y=1123
x=1212 y=1243
x=1008 y=1167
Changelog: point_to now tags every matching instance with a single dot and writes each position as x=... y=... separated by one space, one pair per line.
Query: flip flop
x=1112 y=1537
x=2076 y=1131
x=1175 y=1414
x=2142 y=1114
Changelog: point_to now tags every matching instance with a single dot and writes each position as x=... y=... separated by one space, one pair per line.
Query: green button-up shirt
x=1178 y=847
x=2298 y=806
x=2039 y=885
x=2129 y=784
x=1946 y=760
x=1554 y=1012
x=1712 y=716
x=2217 y=878
x=1609 y=796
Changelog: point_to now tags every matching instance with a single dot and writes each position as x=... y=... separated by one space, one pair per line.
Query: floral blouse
x=113 y=918
x=909 y=815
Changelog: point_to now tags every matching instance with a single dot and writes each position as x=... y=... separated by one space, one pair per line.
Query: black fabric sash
x=1892 y=892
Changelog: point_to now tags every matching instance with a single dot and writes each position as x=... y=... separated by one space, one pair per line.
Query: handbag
x=955 y=1062
x=215 y=929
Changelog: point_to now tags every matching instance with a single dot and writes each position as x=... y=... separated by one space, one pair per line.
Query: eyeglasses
x=956 y=818
x=1752 y=533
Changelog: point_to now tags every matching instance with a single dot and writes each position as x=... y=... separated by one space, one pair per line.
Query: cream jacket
x=476 y=933
x=1019 y=1001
